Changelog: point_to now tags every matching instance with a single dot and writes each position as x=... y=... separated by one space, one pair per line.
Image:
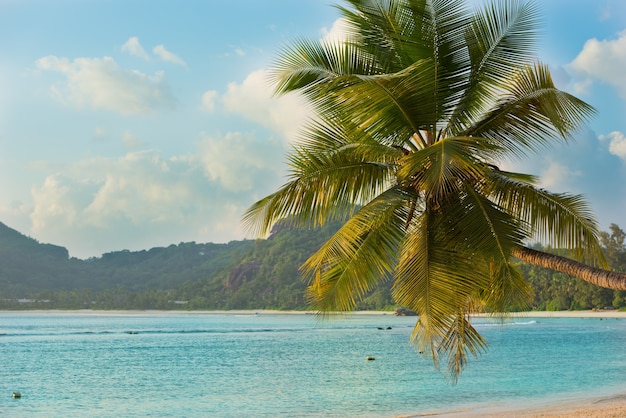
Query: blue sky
x=130 y=125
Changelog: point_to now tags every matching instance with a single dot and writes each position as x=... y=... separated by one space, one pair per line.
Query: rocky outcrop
x=242 y=273
x=404 y=312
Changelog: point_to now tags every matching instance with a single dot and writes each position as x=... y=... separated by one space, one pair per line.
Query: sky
x=140 y=124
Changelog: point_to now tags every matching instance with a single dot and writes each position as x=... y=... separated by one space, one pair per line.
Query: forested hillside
x=250 y=274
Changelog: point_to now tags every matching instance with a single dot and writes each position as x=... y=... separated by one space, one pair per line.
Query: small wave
x=155 y=332
x=505 y=324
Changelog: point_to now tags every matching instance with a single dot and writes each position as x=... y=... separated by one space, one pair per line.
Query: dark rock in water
x=16 y=395
x=369 y=358
x=404 y=312
x=389 y=328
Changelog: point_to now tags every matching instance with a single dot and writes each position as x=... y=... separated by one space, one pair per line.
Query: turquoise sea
x=227 y=365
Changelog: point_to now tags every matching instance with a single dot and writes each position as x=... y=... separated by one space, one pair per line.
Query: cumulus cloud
x=133 y=47
x=617 y=143
x=238 y=162
x=132 y=141
x=144 y=200
x=338 y=32
x=102 y=84
x=557 y=175
x=208 y=100
x=254 y=100
x=604 y=61
x=166 y=55
x=100 y=133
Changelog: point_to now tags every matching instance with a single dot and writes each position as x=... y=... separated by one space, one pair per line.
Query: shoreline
x=610 y=406
x=608 y=313
x=529 y=314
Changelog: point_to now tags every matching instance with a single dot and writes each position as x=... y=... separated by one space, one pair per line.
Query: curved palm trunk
x=599 y=277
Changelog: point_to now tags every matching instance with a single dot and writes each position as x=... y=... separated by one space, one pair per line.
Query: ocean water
x=226 y=365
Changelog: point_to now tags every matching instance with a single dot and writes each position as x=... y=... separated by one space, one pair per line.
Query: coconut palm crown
x=415 y=110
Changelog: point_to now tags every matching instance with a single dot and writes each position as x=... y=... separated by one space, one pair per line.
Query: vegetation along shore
x=250 y=274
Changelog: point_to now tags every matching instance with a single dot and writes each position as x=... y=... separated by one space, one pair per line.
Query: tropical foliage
x=239 y=275
x=415 y=112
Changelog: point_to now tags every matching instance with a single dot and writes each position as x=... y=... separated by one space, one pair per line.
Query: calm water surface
x=197 y=365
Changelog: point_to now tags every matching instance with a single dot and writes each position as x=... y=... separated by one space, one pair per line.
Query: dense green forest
x=249 y=274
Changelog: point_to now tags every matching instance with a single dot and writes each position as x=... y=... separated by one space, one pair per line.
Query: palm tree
x=414 y=111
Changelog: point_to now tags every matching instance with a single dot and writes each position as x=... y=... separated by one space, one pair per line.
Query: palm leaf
x=359 y=256
x=561 y=220
x=499 y=41
x=460 y=341
x=531 y=114
x=441 y=169
x=435 y=277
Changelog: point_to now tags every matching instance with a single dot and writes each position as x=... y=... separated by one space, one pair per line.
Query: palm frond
x=500 y=40
x=436 y=275
x=325 y=189
x=507 y=288
x=441 y=169
x=331 y=172
x=532 y=114
x=390 y=31
x=359 y=256
x=561 y=220
x=459 y=342
x=392 y=104
x=308 y=64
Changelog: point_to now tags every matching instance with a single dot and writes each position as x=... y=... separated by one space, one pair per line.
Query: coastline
x=528 y=314
x=598 y=407
x=605 y=313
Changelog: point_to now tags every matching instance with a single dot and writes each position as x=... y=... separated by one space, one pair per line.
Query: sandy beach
x=609 y=407
x=605 y=313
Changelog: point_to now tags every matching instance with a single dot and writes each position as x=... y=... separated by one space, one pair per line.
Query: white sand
x=610 y=407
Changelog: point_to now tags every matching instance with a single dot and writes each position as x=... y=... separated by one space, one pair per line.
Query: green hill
x=239 y=275
x=249 y=274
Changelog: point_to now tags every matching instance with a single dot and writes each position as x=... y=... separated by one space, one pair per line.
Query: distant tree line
x=249 y=274
x=556 y=291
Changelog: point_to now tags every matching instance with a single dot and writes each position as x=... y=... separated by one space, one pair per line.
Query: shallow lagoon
x=196 y=365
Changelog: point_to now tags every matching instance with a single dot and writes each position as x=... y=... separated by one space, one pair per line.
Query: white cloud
x=337 y=33
x=240 y=163
x=604 y=61
x=57 y=201
x=617 y=143
x=557 y=176
x=166 y=55
x=143 y=200
x=208 y=101
x=131 y=141
x=133 y=47
x=100 y=133
x=254 y=100
x=102 y=84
